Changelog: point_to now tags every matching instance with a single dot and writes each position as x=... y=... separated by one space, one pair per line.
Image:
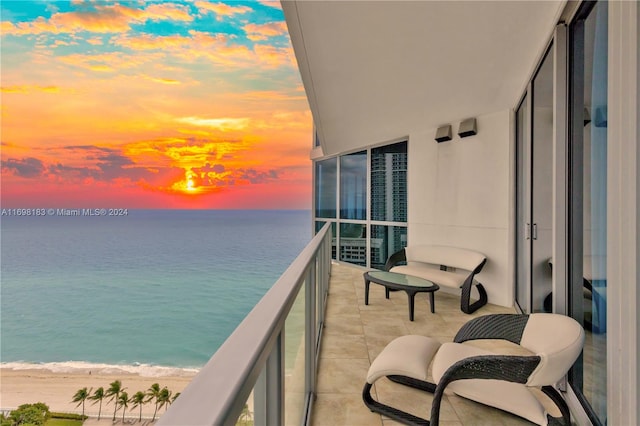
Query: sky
x=151 y=105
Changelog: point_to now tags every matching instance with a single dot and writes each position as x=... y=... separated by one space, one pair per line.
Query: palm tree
x=123 y=400
x=175 y=397
x=245 y=416
x=80 y=397
x=154 y=393
x=164 y=398
x=113 y=393
x=98 y=395
x=138 y=400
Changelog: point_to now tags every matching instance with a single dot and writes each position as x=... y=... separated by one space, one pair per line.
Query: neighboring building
x=547 y=188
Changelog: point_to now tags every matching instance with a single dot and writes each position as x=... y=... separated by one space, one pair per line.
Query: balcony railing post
x=310 y=331
x=269 y=388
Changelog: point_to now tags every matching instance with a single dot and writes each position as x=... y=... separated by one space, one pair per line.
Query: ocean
x=153 y=291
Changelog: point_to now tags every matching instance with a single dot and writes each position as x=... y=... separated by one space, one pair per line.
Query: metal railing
x=253 y=357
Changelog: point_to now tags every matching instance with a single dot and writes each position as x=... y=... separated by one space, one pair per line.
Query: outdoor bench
x=445 y=266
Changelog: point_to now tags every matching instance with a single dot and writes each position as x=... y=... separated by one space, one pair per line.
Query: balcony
x=302 y=354
x=354 y=334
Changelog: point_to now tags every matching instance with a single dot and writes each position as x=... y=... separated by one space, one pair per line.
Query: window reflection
x=353 y=186
x=326 y=186
x=386 y=240
x=389 y=183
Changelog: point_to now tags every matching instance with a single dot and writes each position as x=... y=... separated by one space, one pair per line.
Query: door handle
x=534 y=232
x=527 y=231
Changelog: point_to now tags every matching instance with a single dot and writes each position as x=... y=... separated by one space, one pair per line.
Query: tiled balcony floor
x=354 y=335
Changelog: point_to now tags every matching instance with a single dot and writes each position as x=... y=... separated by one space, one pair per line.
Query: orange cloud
x=271 y=96
x=30 y=89
x=96 y=41
x=151 y=42
x=107 y=62
x=223 y=124
x=167 y=12
x=215 y=48
x=113 y=18
x=221 y=9
x=271 y=3
x=274 y=57
x=264 y=31
x=161 y=80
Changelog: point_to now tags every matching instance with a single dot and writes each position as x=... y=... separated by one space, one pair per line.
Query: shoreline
x=56 y=389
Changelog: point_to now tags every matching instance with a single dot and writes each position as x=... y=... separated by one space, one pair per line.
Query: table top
x=384 y=277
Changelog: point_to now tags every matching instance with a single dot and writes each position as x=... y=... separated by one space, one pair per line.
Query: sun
x=188 y=185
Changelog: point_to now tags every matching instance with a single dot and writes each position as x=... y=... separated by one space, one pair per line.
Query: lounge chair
x=506 y=382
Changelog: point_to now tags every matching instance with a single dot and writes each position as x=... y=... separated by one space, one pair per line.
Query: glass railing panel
x=270 y=353
x=294 y=361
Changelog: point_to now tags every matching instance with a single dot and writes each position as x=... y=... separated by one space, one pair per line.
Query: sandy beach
x=57 y=389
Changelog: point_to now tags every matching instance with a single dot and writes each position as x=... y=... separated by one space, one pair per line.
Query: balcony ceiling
x=375 y=71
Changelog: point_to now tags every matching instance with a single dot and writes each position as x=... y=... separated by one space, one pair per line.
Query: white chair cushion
x=558 y=340
x=443 y=255
x=442 y=278
x=405 y=356
x=507 y=396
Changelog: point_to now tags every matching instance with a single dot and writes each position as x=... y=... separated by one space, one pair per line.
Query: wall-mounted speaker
x=467 y=128
x=443 y=133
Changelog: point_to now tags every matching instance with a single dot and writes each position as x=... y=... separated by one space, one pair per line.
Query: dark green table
x=393 y=281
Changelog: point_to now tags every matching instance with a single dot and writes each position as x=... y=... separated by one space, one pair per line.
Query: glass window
x=319 y=225
x=326 y=183
x=353 y=243
x=588 y=204
x=385 y=241
x=387 y=197
x=389 y=183
x=353 y=186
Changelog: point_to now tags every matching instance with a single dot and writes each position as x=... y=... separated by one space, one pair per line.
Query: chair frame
x=511 y=368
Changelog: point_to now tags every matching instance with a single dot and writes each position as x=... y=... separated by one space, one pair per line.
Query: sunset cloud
x=223 y=124
x=261 y=32
x=161 y=80
x=24 y=167
x=110 y=18
x=220 y=9
x=30 y=89
x=107 y=62
x=152 y=104
x=167 y=12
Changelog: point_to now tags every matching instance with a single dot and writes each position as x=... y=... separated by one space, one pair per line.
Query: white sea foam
x=143 y=370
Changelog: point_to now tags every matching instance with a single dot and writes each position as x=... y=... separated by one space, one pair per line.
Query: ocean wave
x=143 y=370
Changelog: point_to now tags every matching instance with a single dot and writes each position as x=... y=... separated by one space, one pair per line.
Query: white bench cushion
x=442 y=278
x=405 y=356
x=444 y=255
x=513 y=397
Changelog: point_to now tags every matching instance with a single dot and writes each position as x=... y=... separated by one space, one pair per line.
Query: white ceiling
x=375 y=71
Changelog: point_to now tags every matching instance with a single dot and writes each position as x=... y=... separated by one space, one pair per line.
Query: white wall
x=460 y=195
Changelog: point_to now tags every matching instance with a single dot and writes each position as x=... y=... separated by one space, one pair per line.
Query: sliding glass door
x=534 y=138
x=588 y=203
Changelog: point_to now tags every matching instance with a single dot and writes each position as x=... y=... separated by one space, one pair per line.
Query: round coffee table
x=407 y=283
